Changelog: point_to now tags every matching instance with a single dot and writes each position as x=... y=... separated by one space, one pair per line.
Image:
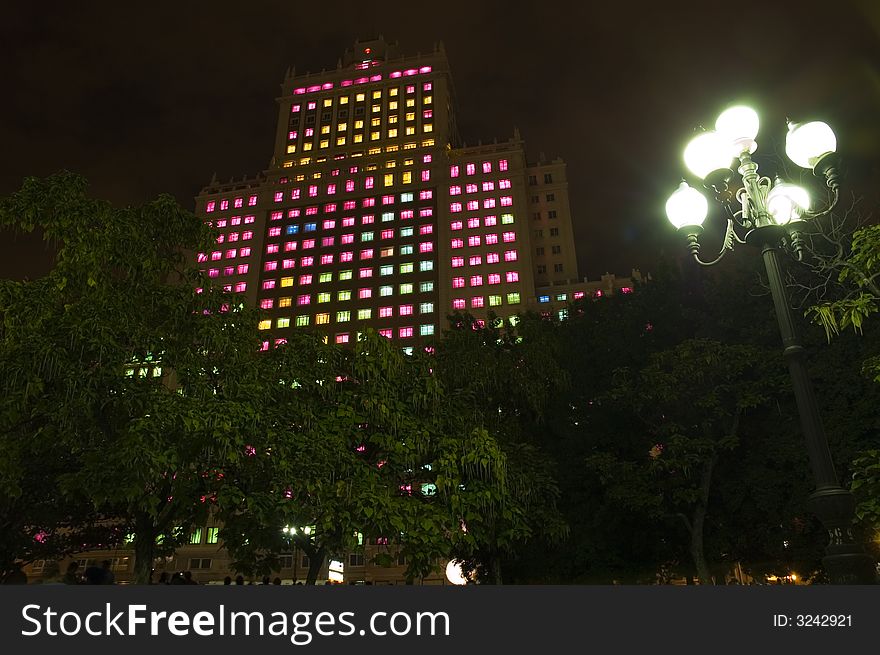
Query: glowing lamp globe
x=807 y=143
x=454 y=572
x=787 y=202
x=738 y=126
x=707 y=152
x=686 y=207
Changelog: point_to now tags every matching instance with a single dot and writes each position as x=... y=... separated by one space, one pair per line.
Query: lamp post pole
x=770 y=215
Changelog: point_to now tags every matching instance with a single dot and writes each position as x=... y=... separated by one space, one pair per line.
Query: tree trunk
x=495 y=569
x=698 y=521
x=144 y=549
x=316 y=562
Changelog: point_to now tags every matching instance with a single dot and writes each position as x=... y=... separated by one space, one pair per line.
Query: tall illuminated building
x=372 y=212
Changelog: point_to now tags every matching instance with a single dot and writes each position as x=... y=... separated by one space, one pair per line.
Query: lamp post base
x=845 y=561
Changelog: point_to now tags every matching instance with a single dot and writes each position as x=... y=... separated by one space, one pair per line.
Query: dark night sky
x=157 y=100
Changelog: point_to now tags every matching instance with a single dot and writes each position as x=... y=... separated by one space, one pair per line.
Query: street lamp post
x=770 y=216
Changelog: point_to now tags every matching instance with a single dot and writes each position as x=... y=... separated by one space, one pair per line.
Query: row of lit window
x=363 y=255
x=344 y=239
x=424 y=194
x=477 y=260
x=353 y=170
x=471 y=168
x=241 y=269
x=476 y=240
x=365 y=237
x=363 y=294
x=487 y=221
x=513 y=298
x=348 y=221
x=488 y=203
x=224 y=204
x=488 y=185
x=404 y=268
x=376 y=150
x=392 y=92
x=360 y=123
x=326 y=86
x=231 y=237
x=232 y=221
x=217 y=255
x=287 y=301
x=369 y=182
x=491 y=278
x=358 y=137
x=343 y=316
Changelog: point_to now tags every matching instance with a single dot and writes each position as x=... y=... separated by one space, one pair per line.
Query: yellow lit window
x=287 y=282
x=392 y=92
x=324 y=297
x=265 y=324
x=392 y=119
x=342 y=127
x=389 y=179
x=343 y=100
x=364 y=314
x=410 y=102
x=287 y=164
x=407 y=177
x=377 y=94
x=300 y=177
x=325 y=143
x=340 y=141
x=374 y=136
x=410 y=130
x=392 y=105
x=325 y=338
x=291 y=148
x=374 y=151
x=410 y=115
x=358 y=125
x=325 y=277
x=307 y=146
x=360 y=97
x=375 y=122
x=392 y=133
x=305 y=161
x=406 y=288
x=408 y=162
x=387 y=252
x=427 y=100
x=427 y=127
x=285 y=302
x=376 y=109
x=322 y=319
x=345 y=275
x=391 y=148
x=390 y=163
x=282 y=322
x=409 y=146
x=343 y=317
x=328 y=102
x=427 y=143
x=358 y=138
x=325 y=129
x=317 y=174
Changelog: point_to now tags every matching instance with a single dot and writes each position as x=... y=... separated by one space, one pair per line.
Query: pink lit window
x=428 y=113
x=349 y=186
x=329 y=225
x=347 y=238
x=492 y=258
x=457 y=262
x=426 y=159
x=503 y=184
x=473 y=205
x=455 y=190
x=385 y=312
x=331 y=189
x=477 y=301
x=512 y=276
x=488 y=203
x=274 y=231
x=295 y=194
x=294 y=213
x=365 y=293
x=506 y=201
x=476 y=280
x=280 y=342
x=311 y=211
x=247 y=235
x=368 y=202
x=210 y=206
x=232 y=236
x=426 y=229
x=330 y=208
x=268 y=284
x=346 y=256
x=502 y=165
x=410 y=88
x=367 y=219
x=387 y=234
x=248 y=220
x=456 y=225
x=326 y=259
x=307 y=261
x=266 y=303
x=216 y=255
x=475 y=260
x=406 y=310
x=348 y=221
x=244 y=252
x=235 y=220
x=353 y=170
x=308 y=244
x=458 y=303
x=238 y=203
x=264 y=346
x=494 y=278
x=312 y=104
x=252 y=200
x=426 y=246
x=270 y=266
x=577 y=295
x=326 y=242
x=457 y=282
x=349 y=204
x=470 y=188
x=426 y=176
x=405 y=332
x=427 y=86
x=241 y=287
x=489 y=221
x=305 y=279
x=510 y=255
x=288 y=263
x=427 y=211
x=470 y=169
x=474 y=241
x=406 y=213
x=224 y=204
x=487 y=167
x=386 y=332
x=387 y=200
x=291 y=136
x=220 y=238
x=453 y=171
x=491 y=239
x=303 y=300
x=488 y=186
x=294 y=109
x=213 y=272
x=455 y=207
x=365 y=272
x=342 y=338
x=367 y=254
x=368 y=183
x=473 y=223
x=426 y=194
x=290 y=246
x=508 y=237
x=279 y=196
x=202 y=257
x=457 y=243
x=310 y=131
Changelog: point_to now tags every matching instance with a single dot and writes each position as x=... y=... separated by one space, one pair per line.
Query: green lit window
x=386 y=290
x=324 y=297
x=302 y=321
x=426 y=287
x=506 y=219
x=513 y=298
x=406 y=197
x=406 y=288
x=406 y=231
x=387 y=269
x=406 y=250
x=213 y=536
x=426 y=265
x=326 y=277
x=343 y=295
x=282 y=322
x=494 y=301
x=345 y=275
x=426 y=330
x=365 y=314
x=406 y=268
x=196 y=536
x=342 y=317
x=387 y=216
x=366 y=236
x=427 y=307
